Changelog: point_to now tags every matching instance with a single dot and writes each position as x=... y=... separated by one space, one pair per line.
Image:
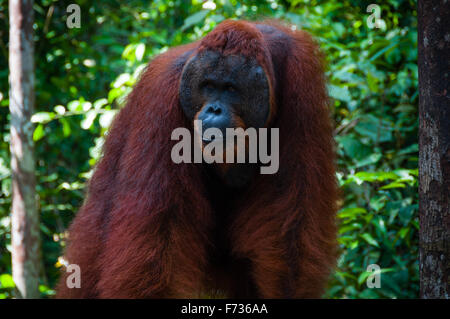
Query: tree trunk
x=434 y=145
x=25 y=218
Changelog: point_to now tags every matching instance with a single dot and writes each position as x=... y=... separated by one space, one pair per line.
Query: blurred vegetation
x=82 y=76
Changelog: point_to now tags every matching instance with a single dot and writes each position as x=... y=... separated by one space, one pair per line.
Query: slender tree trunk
x=434 y=145
x=25 y=218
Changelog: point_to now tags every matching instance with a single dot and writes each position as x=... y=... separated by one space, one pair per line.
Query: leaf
x=339 y=93
x=378 y=202
x=38 y=132
x=86 y=106
x=89 y=119
x=6 y=281
x=42 y=117
x=351 y=212
x=194 y=19
x=403 y=232
x=371 y=159
x=383 y=50
x=114 y=94
x=393 y=185
x=217 y=18
x=413 y=148
x=100 y=103
x=372 y=81
x=368 y=238
x=66 y=127
x=106 y=118
x=139 y=53
x=377 y=129
x=121 y=80
x=128 y=52
x=75 y=106
x=353 y=147
x=375 y=176
x=60 y=109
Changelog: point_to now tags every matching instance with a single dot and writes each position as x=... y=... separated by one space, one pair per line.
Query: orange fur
x=150 y=228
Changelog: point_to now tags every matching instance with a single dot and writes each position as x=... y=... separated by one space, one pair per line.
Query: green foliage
x=83 y=75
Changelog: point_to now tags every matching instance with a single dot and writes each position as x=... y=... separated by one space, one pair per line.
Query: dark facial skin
x=226 y=92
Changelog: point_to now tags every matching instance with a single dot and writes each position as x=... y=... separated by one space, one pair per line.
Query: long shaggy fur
x=150 y=228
